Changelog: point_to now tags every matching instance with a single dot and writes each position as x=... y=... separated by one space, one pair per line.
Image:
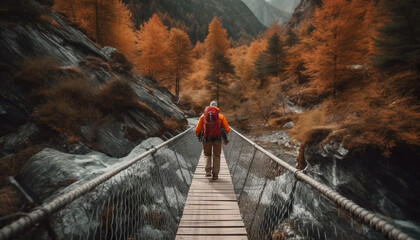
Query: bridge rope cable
x=363 y=215
x=124 y=205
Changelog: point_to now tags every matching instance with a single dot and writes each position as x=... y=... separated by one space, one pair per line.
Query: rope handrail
x=41 y=213
x=367 y=217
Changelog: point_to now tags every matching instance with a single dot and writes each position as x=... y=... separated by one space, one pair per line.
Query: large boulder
x=154 y=190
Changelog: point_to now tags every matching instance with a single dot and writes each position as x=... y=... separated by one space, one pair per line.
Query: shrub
x=172 y=124
x=280 y=121
x=306 y=124
x=95 y=63
x=10 y=200
x=116 y=96
x=119 y=62
x=67 y=106
x=11 y=165
x=38 y=72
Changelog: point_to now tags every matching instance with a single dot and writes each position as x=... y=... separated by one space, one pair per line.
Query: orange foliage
x=153 y=45
x=199 y=50
x=216 y=40
x=275 y=27
x=180 y=57
x=254 y=50
x=220 y=66
x=295 y=54
x=108 y=22
x=337 y=43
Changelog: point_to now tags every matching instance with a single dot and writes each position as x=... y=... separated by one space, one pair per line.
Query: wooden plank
x=198 y=237
x=223 y=203
x=186 y=223
x=211 y=210
x=212 y=198
x=209 y=207
x=216 y=217
x=212 y=194
x=212 y=231
x=211 y=191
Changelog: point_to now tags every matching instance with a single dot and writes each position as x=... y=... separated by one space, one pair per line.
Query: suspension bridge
x=163 y=194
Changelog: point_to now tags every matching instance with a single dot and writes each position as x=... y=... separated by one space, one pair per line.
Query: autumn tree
x=251 y=56
x=271 y=61
x=199 y=50
x=220 y=66
x=180 y=56
x=399 y=38
x=154 y=48
x=297 y=47
x=108 y=22
x=336 y=43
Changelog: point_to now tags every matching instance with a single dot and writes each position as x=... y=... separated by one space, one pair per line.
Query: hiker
x=211 y=128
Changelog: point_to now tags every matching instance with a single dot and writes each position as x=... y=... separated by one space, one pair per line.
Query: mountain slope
x=57 y=84
x=285 y=5
x=266 y=13
x=304 y=11
x=194 y=16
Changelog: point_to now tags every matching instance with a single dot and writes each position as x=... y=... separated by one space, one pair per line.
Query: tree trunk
x=97 y=21
x=218 y=89
x=177 y=88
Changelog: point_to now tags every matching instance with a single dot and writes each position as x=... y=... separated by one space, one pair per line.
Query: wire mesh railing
x=140 y=198
x=278 y=201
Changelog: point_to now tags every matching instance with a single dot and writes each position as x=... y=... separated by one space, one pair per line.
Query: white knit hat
x=213 y=103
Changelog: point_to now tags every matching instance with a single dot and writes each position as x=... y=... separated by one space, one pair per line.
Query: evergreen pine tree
x=270 y=62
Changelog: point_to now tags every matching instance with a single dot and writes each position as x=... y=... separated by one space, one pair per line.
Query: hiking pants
x=216 y=147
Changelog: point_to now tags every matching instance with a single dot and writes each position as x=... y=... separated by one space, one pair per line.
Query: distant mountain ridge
x=285 y=5
x=194 y=16
x=267 y=13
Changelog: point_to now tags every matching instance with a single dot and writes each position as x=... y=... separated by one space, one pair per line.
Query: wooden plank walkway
x=211 y=210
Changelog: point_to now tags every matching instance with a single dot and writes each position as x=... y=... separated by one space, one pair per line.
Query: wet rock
x=117 y=60
x=288 y=125
x=111 y=140
x=150 y=233
x=190 y=113
x=24 y=136
x=160 y=181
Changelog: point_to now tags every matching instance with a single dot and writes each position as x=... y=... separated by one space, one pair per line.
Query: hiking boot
x=208 y=174
x=215 y=177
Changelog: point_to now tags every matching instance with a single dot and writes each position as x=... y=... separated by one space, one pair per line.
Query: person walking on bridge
x=211 y=128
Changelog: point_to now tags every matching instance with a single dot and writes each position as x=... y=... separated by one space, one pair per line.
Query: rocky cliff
x=25 y=44
x=304 y=11
x=266 y=13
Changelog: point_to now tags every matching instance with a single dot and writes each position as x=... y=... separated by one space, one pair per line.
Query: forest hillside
x=193 y=17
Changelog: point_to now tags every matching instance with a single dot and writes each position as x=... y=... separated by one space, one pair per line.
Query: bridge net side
x=275 y=205
x=145 y=201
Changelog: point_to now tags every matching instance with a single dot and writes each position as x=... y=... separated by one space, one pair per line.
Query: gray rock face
x=302 y=12
x=19 y=139
x=71 y=47
x=285 y=5
x=111 y=139
x=266 y=13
